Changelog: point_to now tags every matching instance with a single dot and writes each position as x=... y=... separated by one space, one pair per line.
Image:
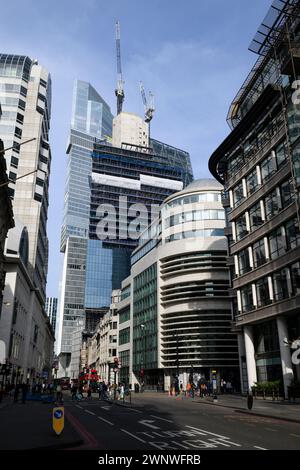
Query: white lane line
x=105 y=420
x=90 y=412
x=219 y=436
x=206 y=432
x=148 y=422
x=105 y=408
x=133 y=409
x=295 y=435
x=162 y=419
x=132 y=435
x=78 y=406
x=260 y=448
x=270 y=429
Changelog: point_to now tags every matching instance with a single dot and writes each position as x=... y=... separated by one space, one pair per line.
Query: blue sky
x=191 y=54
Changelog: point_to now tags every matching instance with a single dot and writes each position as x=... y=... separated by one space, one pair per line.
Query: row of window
x=204 y=197
x=192 y=216
x=281 y=285
x=255 y=142
x=275 y=244
x=260 y=174
x=278 y=199
x=214 y=232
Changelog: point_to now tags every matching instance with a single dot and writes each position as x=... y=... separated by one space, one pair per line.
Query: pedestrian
x=74 y=392
x=24 y=389
x=58 y=393
x=16 y=393
x=89 y=392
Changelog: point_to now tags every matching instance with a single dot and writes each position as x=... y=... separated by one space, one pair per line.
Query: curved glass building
x=180 y=315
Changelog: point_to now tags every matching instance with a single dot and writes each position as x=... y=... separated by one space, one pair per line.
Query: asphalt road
x=166 y=423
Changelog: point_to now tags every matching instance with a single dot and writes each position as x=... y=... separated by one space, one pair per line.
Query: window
x=262 y=292
x=255 y=216
x=272 y=205
x=247 y=298
x=281 y=154
x=14 y=162
x=268 y=168
x=18 y=132
x=240 y=226
x=276 y=243
x=295 y=278
x=259 y=253
x=251 y=182
x=287 y=192
x=280 y=285
x=292 y=234
x=244 y=261
x=12 y=176
x=238 y=194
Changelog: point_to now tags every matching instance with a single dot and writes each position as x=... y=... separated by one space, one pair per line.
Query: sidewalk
x=29 y=426
x=284 y=410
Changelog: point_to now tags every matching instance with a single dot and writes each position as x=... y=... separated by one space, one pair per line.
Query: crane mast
x=120 y=83
x=148 y=105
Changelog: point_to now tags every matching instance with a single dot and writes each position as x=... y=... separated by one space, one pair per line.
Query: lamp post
x=175 y=335
x=143 y=327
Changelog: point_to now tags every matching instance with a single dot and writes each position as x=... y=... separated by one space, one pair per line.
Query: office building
x=174 y=310
x=91 y=121
x=6 y=217
x=25 y=329
x=102 y=176
x=258 y=164
x=25 y=96
x=51 y=310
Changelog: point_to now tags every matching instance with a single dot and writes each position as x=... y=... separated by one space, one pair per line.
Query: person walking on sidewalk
x=24 y=388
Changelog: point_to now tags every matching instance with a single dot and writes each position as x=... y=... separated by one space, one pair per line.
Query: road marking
x=162 y=419
x=132 y=435
x=270 y=429
x=218 y=436
x=105 y=420
x=133 y=409
x=78 y=406
x=90 y=412
x=260 y=448
x=105 y=408
x=147 y=422
x=295 y=435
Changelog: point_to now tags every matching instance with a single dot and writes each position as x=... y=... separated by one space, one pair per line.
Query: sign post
x=214 y=385
x=58 y=419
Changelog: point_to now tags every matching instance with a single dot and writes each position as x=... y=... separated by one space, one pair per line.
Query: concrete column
x=250 y=356
x=285 y=354
x=244 y=187
x=242 y=355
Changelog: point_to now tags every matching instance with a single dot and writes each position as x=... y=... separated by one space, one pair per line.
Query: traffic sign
x=58 y=419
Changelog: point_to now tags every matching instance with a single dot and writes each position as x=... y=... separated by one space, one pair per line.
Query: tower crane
x=148 y=105
x=120 y=83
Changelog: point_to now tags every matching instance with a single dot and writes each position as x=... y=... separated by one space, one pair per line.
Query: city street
x=153 y=421
x=166 y=423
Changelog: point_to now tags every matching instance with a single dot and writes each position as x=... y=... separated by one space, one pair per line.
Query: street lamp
x=143 y=327
x=175 y=335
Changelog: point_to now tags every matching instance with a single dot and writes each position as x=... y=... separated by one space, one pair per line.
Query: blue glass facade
x=105 y=269
x=90 y=114
x=91 y=120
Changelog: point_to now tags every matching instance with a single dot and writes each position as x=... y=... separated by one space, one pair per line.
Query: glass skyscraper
x=100 y=174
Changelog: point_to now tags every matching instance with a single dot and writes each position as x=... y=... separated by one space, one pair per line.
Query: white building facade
x=174 y=312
